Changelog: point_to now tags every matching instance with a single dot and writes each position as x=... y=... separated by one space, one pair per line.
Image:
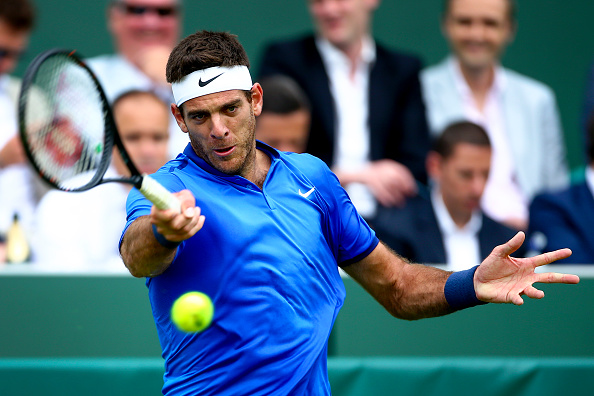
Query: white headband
x=211 y=80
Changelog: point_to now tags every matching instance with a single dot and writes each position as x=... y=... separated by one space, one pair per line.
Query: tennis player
x=277 y=227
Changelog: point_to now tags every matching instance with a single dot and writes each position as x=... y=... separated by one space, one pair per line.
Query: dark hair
x=460 y=132
x=18 y=14
x=512 y=9
x=202 y=50
x=137 y=93
x=283 y=95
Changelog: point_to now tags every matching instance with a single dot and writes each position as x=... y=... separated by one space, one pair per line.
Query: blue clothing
x=565 y=219
x=268 y=259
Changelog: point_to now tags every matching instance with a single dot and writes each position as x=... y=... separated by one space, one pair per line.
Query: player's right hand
x=177 y=227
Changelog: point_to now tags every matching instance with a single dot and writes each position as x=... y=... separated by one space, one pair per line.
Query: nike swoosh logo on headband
x=205 y=83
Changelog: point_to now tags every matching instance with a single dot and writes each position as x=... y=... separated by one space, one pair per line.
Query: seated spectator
x=144 y=33
x=285 y=118
x=446 y=225
x=367 y=113
x=18 y=184
x=63 y=238
x=565 y=218
x=519 y=113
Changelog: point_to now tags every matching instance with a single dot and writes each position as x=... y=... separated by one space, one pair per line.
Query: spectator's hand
x=177 y=227
x=12 y=153
x=504 y=279
x=390 y=182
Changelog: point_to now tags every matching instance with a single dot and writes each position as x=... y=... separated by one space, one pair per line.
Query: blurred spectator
x=368 y=118
x=17 y=182
x=446 y=224
x=519 y=113
x=144 y=33
x=564 y=219
x=64 y=239
x=588 y=106
x=285 y=118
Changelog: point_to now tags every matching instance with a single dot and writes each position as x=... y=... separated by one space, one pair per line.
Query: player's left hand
x=504 y=279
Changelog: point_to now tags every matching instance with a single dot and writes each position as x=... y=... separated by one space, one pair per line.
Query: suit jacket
x=414 y=233
x=566 y=219
x=531 y=123
x=396 y=111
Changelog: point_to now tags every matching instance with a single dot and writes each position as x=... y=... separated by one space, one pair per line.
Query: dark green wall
x=553 y=42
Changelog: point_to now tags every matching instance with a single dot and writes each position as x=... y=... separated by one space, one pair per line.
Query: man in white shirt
x=18 y=193
x=80 y=231
x=519 y=113
x=445 y=224
x=144 y=33
x=368 y=118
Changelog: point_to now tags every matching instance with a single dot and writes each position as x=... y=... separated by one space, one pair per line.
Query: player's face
x=221 y=127
x=462 y=178
x=478 y=31
x=342 y=22
x=143 y=124
x=141 y=24
x=12 y=44
x=285 y=132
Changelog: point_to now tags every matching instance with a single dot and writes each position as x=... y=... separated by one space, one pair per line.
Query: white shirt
x=117 y=76
x=502 y=198
x=17 y=192
x=461 y=244
x=80 y=230
x=351 y=100
x=590 y=178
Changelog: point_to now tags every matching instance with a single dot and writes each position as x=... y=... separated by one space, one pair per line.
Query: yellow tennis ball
x=192 y=312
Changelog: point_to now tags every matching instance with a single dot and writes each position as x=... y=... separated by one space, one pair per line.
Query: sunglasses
x=139 y=10
x=10 y=53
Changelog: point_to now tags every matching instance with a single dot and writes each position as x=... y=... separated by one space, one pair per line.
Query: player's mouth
x=225 y=151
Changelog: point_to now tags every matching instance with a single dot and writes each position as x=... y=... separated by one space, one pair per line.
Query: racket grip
x=158 y=194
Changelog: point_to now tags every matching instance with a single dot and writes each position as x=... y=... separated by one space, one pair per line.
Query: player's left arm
x=413 y=291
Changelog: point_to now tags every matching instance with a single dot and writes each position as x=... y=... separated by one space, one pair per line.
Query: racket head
x=65 y=122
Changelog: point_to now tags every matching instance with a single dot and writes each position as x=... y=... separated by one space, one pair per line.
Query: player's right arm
x=142 y=253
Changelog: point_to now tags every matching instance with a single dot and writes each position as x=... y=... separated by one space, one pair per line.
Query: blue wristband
x=459 y=290
x=163 y=241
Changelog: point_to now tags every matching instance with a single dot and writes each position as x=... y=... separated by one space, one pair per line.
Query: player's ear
x=179 y=118
x=257 y=98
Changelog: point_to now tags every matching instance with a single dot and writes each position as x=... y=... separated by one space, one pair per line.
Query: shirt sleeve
x=348 y=234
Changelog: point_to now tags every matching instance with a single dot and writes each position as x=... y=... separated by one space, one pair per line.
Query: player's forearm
x=142 y=254
x=407 y=291
x=419 y=293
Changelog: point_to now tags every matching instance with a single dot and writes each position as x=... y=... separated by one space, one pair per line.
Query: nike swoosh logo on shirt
x=307 y=194
x=205 y=83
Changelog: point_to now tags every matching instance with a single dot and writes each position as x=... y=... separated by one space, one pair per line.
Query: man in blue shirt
x=263 y=232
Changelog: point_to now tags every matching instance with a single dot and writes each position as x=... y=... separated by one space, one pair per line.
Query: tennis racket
x=68 y=131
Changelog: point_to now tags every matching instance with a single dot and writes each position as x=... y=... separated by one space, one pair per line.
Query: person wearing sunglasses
x=17 y=186
x=144 y=32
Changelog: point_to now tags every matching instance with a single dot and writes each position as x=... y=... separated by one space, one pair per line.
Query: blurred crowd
x=444 y=161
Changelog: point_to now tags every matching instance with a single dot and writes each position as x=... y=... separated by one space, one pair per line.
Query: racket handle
x=158 y=194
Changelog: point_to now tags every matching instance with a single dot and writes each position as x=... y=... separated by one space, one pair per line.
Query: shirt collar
x=4 y=81
x=590 y=178
x=499 y=82
x=333 y=56
x=444 y=220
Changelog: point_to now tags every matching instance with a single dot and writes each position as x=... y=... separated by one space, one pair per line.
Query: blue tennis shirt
x=268 y=259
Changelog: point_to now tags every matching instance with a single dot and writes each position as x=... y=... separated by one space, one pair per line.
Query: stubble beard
x=247 y=146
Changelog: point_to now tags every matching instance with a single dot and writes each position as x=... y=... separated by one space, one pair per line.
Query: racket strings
x=64 y=127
